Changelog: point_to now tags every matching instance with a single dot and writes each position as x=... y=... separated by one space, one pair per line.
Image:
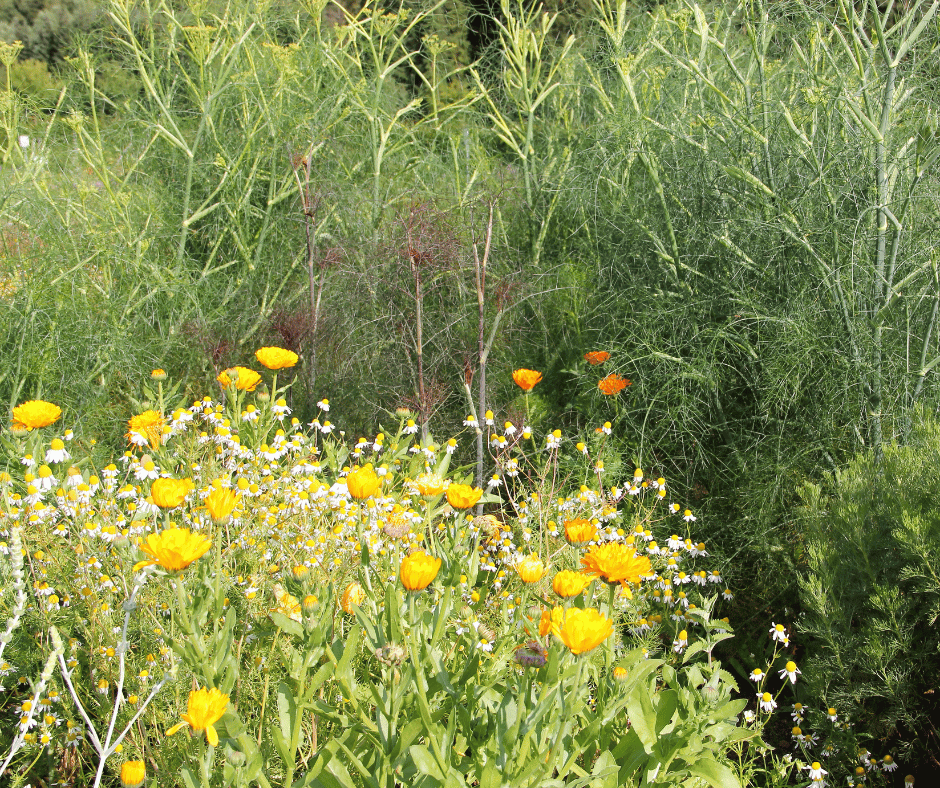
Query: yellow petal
x=176 y=728
x=141 y=564
x=212 y=736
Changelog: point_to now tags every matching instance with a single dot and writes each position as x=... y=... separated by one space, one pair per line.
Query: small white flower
x=790 y=671
x=778 y=632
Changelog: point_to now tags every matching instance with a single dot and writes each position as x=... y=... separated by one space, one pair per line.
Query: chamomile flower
x=767 y=702
x=790 y=671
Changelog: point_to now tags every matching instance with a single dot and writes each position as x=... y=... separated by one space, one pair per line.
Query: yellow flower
x=526 y=378
x=353 y=596
x=220 y=503
x=276 y=357
x=568 y=584
x=418 y=570
x=133 y=774
x=579 y=530
x=429 y=485
x=363 y=482
x=170 y=493
x=613 y=384
x=584 y=630
x=148 y=426
x=530 y=568
x=205 y=708
x=242 y=378
x=463 y=496
x=173 y=549
x=551 y=620
x=616 y=563
x=158 y=374
x=35 y=414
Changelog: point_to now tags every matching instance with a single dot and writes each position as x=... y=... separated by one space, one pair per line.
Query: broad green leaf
x=714 y=773
x=425 y=762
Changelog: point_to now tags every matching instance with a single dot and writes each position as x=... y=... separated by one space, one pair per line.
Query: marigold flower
x=220 y=503
x=583 y=630
x=205 y=708
x=579 y=530
x=276 y=357
x=463 y=496
x=551 y=621
x=613 y=384
x=173 y=548
x=34 y=414
x=568 y=584
x=170 y=493
x=133 y=774
x=418 y=570
x=146 y=427
x=363 y=482
x=242 y=378
x=287 y=604
x=353 y=596
x=429 y=485
x=158 y=374
x=530 y=568
x=526 y=378
x=616 y=562
x=596 y=357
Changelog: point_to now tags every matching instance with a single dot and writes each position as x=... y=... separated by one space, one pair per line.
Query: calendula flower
x=612 y=384
x=428 y=485
x=616 y=562
x=530 y=568
x=579 y=530
x=418 y=570
x=133 y=774
x=596 y=357
x=583 y=630
x=241 y=378
x=526 y=378
x=463 y=496
x=568 y=584
x=220 y=503
x=158 y=374
x=173 y=548
x=146 y=429
x=276 y=357
x=353 y=596
x=34 y=414
x=363 y=482
x=551 y=621
x=170 y=493
x=205 y=708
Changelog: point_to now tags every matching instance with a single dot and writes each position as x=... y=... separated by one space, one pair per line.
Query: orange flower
x=463 y=496
x=174 y=549
x=35 y=414
x=170 y=493
x=353 y=596
x=220 y=503
x=133 y=774
x=526 y=378
x=530 y=569
x=418 y=570
x=583 y=630
x=596 y=357
x=579 y=530
x=146 y=427
x=616 y=563
x=276 y=357
x=241 y=378
x=551 y=621
x=568 y=584
x=613 y=384
x=363 y=482
x=205 y=708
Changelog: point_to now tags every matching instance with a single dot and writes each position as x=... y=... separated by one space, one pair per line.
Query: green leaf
x=425 y=762
x=716 y=774
x=287 y=625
